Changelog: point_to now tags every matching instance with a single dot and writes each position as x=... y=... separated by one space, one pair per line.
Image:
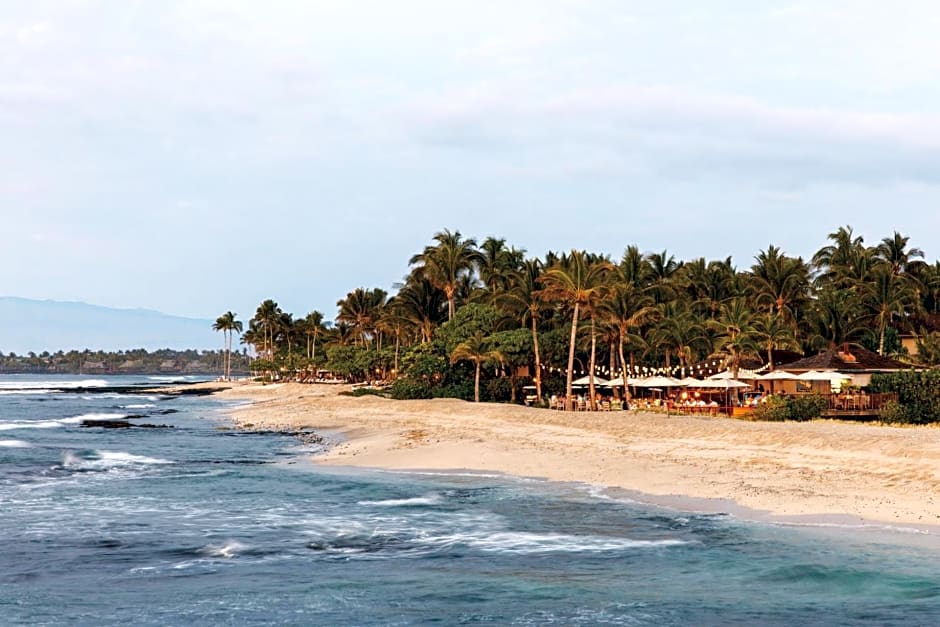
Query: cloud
x=681 y=130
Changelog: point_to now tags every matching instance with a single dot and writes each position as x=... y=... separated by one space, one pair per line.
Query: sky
x=198 y=156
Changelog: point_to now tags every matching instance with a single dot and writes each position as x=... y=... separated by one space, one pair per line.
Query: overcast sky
x=197 y=156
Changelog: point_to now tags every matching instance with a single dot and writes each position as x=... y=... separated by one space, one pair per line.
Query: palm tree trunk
x=538 y=361
x=476 y=384
x=623 y=369
x=574 y=333
x=397 y=344
x=770 y=357
x=591 y=373
x=451 y=306
x=881 y=340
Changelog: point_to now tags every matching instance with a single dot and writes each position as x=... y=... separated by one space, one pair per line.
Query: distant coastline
x=130 y=362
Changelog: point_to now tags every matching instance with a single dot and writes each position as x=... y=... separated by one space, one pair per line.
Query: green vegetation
x=918 y=396
x=799 y=408
x=137 y=361
x=482 y=321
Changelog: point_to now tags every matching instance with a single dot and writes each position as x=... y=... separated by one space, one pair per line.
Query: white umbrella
x=723 y=384
x=778 y=375
x=690 y=382
x=659 y=382
x=742 y=374
x=586 y=380
x=813 y=375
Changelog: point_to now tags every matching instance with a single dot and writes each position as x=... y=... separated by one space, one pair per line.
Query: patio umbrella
x=722 y=384
x=659 y=382
x=742 y=374
x=690 y=382
x=586 y=380
x=778 y=375
x=813 y=375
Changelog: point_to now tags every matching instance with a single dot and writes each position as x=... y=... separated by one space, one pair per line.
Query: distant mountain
x=48 y=325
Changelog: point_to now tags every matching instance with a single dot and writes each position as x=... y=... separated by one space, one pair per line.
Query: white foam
x=228 y=550
x=29 y=392
x=104 y=460
x=94 y=416
x=33 y=424
x=15 y=444
x=429 y=499
x=138 y=406
x=521 y=542
x=52 y=385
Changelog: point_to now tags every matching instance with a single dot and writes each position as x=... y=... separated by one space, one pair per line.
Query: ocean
x=191 y=522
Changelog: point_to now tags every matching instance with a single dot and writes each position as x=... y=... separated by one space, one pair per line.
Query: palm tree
x=313 y=327
x=476 y=349
x=498 y=264
x=578 y=284
x=679 y=331
x=887 y=295
x=525 y=297
x=779 y=283
x=362 y=308
x=227 y=324
x=661 y=269
x=838 y=263
x=930 y=277
x=446 y=263
x=420 y=304
x=736 y=338
x=771 y=332
x=894 y=251
x=626 y=308
x=836 y=317
x=267 y=318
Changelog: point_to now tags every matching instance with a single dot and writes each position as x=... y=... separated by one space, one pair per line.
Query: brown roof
x=850 y=359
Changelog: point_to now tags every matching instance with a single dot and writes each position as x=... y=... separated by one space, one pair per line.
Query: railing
x=858 y=402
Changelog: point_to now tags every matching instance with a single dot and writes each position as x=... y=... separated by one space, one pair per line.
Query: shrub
x=801 y=408
x=408 y=388
x=918 y=394
x=807 y=407
x=775 y=409
x=498 y=389
x=892 y=411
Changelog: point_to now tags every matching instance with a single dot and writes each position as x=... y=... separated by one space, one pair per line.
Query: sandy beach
x=819 y=470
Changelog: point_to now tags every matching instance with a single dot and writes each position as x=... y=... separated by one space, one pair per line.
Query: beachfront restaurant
x=839 y=374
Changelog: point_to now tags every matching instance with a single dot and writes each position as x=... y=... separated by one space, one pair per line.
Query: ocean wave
x=138 y=406
x=429 y=499
x=35 y=424
x=15 y=444
x=93 y=416
x=52 y=385
x=106 y=460
x=522 y=542
x=30 y=392
x=368 y=542
x=229 y=549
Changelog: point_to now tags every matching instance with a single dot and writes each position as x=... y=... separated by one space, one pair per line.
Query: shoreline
x=820 y=473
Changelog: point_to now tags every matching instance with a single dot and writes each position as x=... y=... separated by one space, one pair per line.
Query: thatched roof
x=846 y=359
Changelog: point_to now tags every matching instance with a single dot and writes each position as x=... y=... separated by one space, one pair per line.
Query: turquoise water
x=199 y=524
